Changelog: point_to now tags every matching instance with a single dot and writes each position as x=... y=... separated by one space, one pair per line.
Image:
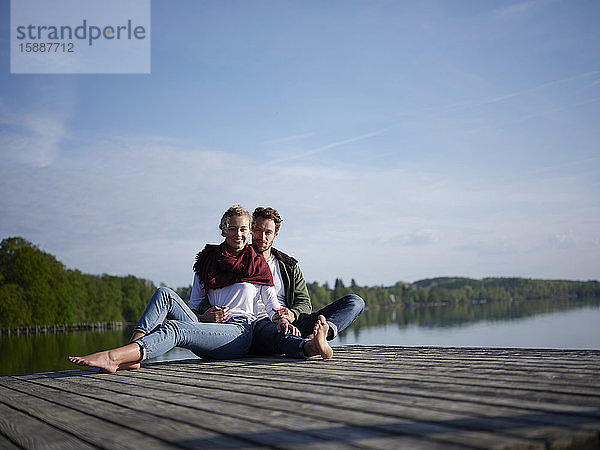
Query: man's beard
x=266 y=247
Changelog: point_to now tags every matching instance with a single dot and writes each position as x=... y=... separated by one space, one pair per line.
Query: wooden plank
x=98 y=432
x=147 y=420
x=469 y=362
x=331 y=407
x=352 y=390
x=555 y=418
x=467 y=359
x=565 y=384
x=541 y=425
x=6 y=444
x=28 y=432
x=488 y=387
x=464 y=396
x=366 y=397
x=223 y=415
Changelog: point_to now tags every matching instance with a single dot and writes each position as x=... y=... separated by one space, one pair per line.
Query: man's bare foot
x=316 y=328
x=318 y=345
x=102 y=360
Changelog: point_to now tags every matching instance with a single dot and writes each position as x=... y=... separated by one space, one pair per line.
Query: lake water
x=531 y=324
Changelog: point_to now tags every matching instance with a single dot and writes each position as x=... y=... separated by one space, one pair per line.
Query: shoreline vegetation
x=38 y=294
x=63 y=328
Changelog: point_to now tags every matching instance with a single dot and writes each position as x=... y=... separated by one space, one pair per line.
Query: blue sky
x=399 y=140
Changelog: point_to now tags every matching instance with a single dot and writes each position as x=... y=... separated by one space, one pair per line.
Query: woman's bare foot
x=109 y=361
x=318 y=345
x=134 y=365
x=102 y=360
x=130 y=366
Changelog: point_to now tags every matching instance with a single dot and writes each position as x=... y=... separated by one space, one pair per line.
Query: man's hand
x=286 y=327
x=216 y=314
x=283 y=326
x=283 y=313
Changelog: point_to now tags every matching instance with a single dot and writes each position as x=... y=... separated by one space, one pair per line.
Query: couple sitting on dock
x=245 y=299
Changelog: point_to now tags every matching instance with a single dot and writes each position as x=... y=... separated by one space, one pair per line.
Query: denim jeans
x=183 y=329
x=339 y=315
x=267 y=340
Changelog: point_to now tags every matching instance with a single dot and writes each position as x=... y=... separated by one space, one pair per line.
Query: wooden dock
x=366 y=397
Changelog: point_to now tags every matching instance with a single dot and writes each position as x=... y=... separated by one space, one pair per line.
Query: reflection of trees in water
x=461 y=314
x=43 y=352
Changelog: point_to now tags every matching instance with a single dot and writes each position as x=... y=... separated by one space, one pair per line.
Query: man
x=291 y=291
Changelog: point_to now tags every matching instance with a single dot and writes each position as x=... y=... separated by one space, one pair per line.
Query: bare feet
x=102 y=360
x=316 y=328
x=111 y=360
x=318 y=345
x=130 y=366
x=134 y=365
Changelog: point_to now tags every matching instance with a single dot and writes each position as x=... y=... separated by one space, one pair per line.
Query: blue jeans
x=267 y=340
x=183 y=329
x=339 y=315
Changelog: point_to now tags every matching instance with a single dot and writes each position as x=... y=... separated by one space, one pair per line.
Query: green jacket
x=294 y=287
x=296 y=295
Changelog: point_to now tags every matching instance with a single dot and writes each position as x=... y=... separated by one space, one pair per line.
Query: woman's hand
x=215 y=314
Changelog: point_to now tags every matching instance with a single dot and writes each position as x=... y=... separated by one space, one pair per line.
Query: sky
x=398 y=140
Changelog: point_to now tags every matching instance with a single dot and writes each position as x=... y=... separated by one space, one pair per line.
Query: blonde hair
x=235 y=210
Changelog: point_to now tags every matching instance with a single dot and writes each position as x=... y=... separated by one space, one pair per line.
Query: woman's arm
x=198 y=299
x=269 y=298
x=201 y=306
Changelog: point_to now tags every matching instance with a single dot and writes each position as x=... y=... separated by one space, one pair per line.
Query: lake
x=528 y=324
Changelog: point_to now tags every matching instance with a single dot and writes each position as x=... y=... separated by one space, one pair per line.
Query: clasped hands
x=283 y=317
x=216 y=314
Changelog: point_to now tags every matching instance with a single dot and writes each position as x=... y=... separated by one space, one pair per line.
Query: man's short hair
x=235 y=210
x=268 y=213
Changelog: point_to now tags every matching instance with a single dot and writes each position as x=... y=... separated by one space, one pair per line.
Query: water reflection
x=48 y=352
x=540 y=323
x=544 y=323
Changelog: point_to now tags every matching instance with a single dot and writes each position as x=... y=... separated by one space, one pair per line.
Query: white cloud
x=520 y=8
x=145 y=206
x=32 y=139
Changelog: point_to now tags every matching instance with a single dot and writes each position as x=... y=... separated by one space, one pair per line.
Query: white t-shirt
x=277 y=279
x=253 y=301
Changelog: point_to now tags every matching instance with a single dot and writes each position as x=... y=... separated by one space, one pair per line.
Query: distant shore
x=47 y=329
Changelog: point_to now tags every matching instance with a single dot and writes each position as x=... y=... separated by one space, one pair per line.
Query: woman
x=237 y=280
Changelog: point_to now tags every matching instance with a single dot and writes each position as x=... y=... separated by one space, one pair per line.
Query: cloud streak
x=326 y=147
x=287 y=139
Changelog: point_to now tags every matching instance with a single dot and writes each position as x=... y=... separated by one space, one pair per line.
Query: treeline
x=448 y=290
x=36 y=289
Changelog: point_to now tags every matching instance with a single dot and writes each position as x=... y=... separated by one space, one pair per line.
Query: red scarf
x=217 y=268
